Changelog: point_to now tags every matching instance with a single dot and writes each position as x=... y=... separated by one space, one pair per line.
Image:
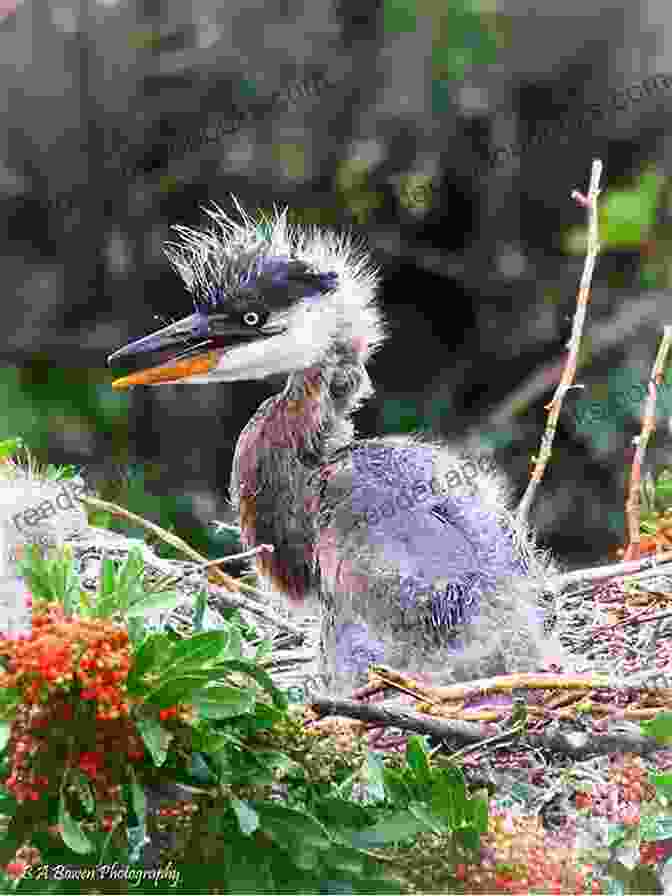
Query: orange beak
x=171 y=372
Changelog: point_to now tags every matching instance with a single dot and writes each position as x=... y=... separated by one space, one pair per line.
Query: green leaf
x=137 y=632
x=416 y=757
x=617 y=834
x=222 y=702
x=146 y=658
x=84 y=791
x=396 y=829
x=107 y=577
x=248 y=819
x=289 y=827
x=659 y=727
x=643 y=880
x=468 y=837
x=138 y=799
x=178 y=690
x=73 y=836
x=399 y=16
x=156 y=738
x=264 y=650
x=345 y=859
x=5 y=732
x=9 y=700
x=479 y=814
x=262 y=678
x=199 y=771
x=9 y=447
x=195 y=652
x=343 y=814
x=657 y=827
x=626 y=217
x=374 y=777
x=164 y=600
x=199 y=609
x=396 y=788
x=421 y=812
x=449 y=797
x=662 y=783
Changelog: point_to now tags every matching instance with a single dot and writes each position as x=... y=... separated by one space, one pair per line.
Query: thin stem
x=567 y=380
x=614 y=570
x=632 y=508
x=231 y=584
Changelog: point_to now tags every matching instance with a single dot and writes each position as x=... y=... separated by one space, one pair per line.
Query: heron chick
x=409 y=570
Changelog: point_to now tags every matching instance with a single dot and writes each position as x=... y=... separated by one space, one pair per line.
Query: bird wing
x=400 y=549
x=388 y=506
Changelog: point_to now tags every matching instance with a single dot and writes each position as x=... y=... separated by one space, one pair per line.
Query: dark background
x=119 y=119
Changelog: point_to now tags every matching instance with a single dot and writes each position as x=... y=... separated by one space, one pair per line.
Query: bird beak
x=198 y=357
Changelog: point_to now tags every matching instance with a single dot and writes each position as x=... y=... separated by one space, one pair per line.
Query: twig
x=171 y=539
x=648 y=426
x=489 y=741
x=567 y=380
x=632 y=620
x=576 y=744
x=170 y=581
x=636 y=620
x=231 y=584
x=614 y=570
x=502 y=684
x=369 y=690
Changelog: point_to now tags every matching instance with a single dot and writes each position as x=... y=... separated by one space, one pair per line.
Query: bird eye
x=251 y=318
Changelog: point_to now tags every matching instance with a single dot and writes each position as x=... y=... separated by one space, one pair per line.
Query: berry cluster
x=24 y=857
x=62 y=651
x=39 y=750
x=518 y=857
x=181 y=712
x=619 y=797
x=652 y=853
x=180 y=812
x=630 y=775
x=27 y=752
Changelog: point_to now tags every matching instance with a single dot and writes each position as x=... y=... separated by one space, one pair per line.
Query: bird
x=408 y=570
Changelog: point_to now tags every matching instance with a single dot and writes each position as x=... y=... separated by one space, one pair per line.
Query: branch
x=577 y=744
x=231 y=584
x=648 y=425
x=614 y=570
x=505 y=684
x=567 y=379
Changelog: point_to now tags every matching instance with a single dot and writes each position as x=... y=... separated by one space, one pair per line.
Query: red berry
x=16 y=869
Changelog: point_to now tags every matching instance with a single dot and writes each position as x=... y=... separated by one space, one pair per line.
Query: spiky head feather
x=296 y=271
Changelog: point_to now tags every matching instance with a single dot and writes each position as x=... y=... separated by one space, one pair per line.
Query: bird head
x=267 y=299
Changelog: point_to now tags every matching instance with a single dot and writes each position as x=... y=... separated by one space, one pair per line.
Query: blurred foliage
x=626 y=217
x=408 y=414
x=40 y=400
x=130 y=488
x=462 y=36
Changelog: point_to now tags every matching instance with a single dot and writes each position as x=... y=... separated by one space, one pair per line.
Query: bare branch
x=567 y=379
x=648 y=426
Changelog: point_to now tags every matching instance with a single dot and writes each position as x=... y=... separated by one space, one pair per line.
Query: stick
x=231 y=584
x=567 y=379
x=648 y=425
x=576 y=744
x=502 y=684
x=170 y=581
x=558 y=583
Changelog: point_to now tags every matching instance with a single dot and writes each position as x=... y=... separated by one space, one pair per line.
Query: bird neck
x=273 y=482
